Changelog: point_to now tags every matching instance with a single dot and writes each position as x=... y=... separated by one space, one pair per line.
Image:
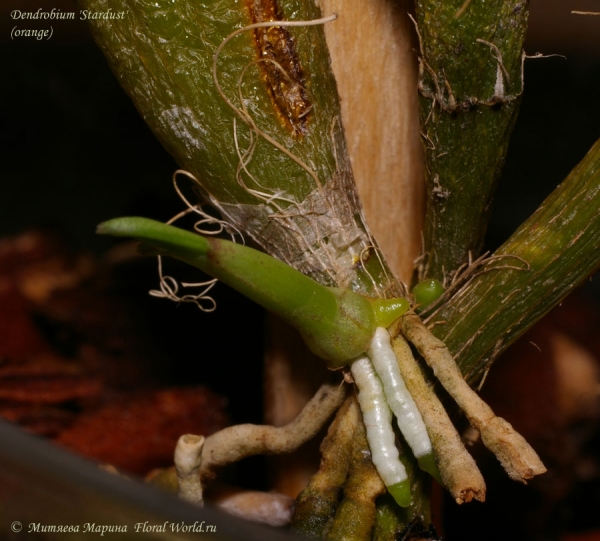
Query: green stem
x=470 y=83
x=556 y=250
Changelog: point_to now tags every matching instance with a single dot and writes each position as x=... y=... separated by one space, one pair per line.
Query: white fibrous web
x=196 y=292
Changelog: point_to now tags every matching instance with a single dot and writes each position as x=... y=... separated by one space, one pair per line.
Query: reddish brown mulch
x=75 y=366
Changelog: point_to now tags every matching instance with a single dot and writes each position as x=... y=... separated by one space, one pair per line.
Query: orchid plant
x=243 y=96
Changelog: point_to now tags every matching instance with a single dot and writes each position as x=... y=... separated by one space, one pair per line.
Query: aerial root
x=237 y=442
x=340 y=498
x=206 y=225
x=188 y=457
x=197 y=458
x=317 y=503
x=517 y=457
x=458 y=470
x=356 y=513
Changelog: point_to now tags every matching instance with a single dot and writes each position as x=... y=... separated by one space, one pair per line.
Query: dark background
x=75 y=152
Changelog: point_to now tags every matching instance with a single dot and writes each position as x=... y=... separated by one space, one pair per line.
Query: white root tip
x=188 y=457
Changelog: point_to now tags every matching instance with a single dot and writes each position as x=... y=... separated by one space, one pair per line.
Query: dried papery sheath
x=401 y=401
x=377 y=418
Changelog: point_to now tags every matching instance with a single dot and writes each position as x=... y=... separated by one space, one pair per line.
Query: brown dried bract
x=280 y=67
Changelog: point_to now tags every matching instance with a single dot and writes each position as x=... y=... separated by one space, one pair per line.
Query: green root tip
x=389 y=310
x=426 y=292
x=427 y=464
x=401 y=493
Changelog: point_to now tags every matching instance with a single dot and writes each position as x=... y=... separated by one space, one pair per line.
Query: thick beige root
x=356 y=513
x=237 y=442
x=458 y=470
x=517 y=457
x=317 y=503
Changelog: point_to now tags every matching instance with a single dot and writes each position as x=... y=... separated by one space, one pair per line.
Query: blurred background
x=75 y=153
